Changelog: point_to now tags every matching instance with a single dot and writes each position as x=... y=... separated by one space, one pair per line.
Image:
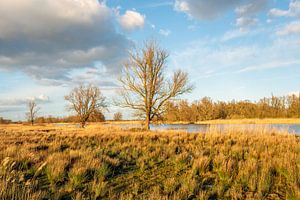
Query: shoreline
x=206 y=122
x=240 y=121
x=218 y=121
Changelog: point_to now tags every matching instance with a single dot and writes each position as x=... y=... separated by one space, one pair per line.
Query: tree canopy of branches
x=5 y=121
x=118 y=116
x=86 y=101
x=95 y=117
x=207 y=109
x=145 y=87
x=32 y=111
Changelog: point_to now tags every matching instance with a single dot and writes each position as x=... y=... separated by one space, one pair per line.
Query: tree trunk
x=82 y=124
x=32 y=121
x=147 y=122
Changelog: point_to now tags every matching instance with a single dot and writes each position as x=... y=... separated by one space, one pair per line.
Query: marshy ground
x=100 y=162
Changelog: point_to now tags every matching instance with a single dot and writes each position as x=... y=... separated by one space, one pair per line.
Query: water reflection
x=194 y=128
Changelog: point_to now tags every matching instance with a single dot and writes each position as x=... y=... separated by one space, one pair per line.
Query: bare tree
x=118 y=116
x=32 y=111
x=86 y=100
x=145 y=87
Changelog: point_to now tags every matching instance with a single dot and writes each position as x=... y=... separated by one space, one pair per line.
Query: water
x=194 y=128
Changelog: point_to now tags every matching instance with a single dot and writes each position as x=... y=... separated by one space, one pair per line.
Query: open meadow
x=100 y=162
x=149 y=100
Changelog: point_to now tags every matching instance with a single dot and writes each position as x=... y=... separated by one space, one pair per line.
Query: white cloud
x=96 y=76
x=204 y=9
x=132 y=20
x=279 y=13
x=43 y=97
x=164 y=32
x=47 y=17
x=242 y=32
x=225 y=58
x=291 y=28
x=294 y=10
x=270 y=65
x=183 y=6
x=202 y=57
x=19 y=101
x=246 y=11
x=39 y=99
x=48 y=40
x=233 y=34
x=212 y=9
x=160 y=4
x=245 y=22
x=251 y=8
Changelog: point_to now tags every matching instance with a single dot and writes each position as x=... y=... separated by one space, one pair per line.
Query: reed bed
x=47 y=162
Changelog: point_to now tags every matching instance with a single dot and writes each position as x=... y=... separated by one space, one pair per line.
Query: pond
x=195 y=128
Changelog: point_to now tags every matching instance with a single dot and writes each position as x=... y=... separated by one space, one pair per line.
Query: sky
x=233 y=49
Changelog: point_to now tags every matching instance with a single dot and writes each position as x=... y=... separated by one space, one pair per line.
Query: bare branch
x=32 y=111
x=144 y=84
x=86 y=100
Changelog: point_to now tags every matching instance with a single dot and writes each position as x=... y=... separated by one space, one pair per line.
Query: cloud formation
x=246 y=11
x=23 y=101
x=165 y=32
x=291 y=28
x=205 y=10
x=230 y=59
x=293 y=11
x=131 y=20
x=251 y=8
x=246 y=22
x=233 y=34
x=50 y=39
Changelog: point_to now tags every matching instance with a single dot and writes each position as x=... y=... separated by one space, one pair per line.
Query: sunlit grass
x=102 y=162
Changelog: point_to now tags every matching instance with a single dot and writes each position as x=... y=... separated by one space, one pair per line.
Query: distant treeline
x=95 y=117
x=207 y=109
x=4 y=121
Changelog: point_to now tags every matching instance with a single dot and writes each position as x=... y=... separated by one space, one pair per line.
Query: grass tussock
x=109 y=163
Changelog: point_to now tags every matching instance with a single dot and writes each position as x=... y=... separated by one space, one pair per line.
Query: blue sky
x=235 y=49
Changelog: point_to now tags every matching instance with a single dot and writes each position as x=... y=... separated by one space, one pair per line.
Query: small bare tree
x=145 y=87
x=118 y=116
x=85 y=100
x=32 y=111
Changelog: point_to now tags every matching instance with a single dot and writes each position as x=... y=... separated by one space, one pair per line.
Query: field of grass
x=47 y=162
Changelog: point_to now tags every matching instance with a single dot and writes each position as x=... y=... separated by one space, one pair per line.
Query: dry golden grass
x=105 y=162
x=123 y=122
